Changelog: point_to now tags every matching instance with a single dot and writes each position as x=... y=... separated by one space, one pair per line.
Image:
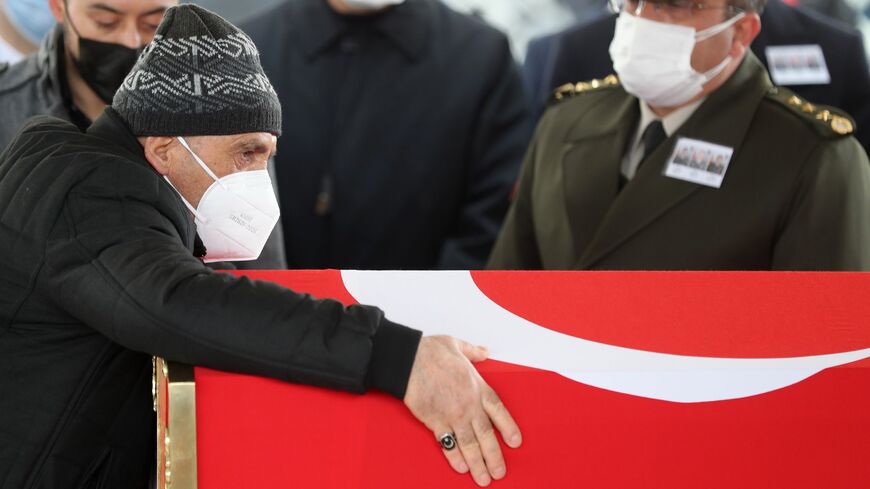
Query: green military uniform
x=796 y=195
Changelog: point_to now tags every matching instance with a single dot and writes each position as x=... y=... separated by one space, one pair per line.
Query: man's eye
x=107 y=25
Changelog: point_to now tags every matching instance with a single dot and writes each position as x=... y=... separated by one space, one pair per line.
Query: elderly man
x=99 y=234
x=600 y=188
x=81 y=64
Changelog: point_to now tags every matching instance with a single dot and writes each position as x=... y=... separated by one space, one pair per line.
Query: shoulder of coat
x=829 y=122
x=570 y=90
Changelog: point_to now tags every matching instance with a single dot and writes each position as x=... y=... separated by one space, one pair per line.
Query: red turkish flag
x=808 y=433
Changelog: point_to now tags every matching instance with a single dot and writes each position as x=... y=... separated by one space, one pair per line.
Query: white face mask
x=236 y=214
x=372 y=4
x=654 y=59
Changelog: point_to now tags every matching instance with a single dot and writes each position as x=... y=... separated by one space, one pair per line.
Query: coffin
x=618 y=380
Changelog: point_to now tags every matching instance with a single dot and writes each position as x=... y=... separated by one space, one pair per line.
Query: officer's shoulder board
x=829 y=122
x=570 y=90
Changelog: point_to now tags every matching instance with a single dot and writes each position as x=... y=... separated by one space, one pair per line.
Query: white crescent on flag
x=451 y=303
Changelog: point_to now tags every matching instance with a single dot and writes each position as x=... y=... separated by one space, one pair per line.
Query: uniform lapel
x=591 y=165
x=723 y=118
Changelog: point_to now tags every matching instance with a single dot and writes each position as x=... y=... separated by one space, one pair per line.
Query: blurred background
x=523 y=20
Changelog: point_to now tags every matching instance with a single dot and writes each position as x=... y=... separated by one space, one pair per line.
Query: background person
x=23 y=24
x=405 y=132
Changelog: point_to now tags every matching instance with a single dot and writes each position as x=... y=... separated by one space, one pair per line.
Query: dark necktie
x=653 y=136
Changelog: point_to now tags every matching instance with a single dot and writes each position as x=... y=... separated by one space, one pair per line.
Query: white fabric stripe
x=451 y=303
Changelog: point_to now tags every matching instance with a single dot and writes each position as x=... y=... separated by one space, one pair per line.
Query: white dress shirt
x=670 y=122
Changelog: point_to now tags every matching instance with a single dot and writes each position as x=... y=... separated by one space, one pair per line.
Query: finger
x=470 y=449
x=489 y=447
x=473 y=353
x=501 y=418
x=454 y=457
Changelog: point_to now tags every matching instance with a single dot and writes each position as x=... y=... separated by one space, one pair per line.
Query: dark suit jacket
x=402 y=138
x=583 y=55
x=796 y=194
x=538 y=69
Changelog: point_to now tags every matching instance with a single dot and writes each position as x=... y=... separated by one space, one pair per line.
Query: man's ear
x=158 y=152
x=57 y=7
x=745 y=31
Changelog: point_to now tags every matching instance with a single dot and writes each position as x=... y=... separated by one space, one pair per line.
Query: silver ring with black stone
x=447 y=441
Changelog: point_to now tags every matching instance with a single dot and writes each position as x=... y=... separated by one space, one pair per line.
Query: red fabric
x=256 y=432
x=746 y=315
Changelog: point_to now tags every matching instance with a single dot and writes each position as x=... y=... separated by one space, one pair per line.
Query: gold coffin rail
x=174 y=391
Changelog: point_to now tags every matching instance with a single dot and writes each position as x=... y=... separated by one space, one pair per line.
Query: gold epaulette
x=828 y=120
x=569 y=90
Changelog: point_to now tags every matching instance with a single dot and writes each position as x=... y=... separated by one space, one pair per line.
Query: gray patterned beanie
x=200 y=76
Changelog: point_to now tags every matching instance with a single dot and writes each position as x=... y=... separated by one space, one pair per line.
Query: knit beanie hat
x=200 y=76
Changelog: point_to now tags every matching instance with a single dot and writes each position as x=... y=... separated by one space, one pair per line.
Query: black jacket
x=402 y=138
x=583 y=55
x=97 y=274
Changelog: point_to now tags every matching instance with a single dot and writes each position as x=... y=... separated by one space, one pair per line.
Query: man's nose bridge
x=130 y=36
x=655 y=12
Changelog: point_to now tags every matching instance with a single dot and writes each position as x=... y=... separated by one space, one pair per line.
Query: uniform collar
x=407 y=25
x=670 y=122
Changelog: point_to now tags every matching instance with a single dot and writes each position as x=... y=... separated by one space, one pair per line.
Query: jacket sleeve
x=827 y=225
x=117 y=263
x=501 y=133
x=516 y=247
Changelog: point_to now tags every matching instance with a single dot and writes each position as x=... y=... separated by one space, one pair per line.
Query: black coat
x=402 y=138
x=97 y=274
x=583 y=55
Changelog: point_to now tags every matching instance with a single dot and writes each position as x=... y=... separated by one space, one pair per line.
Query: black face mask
x=103 y=65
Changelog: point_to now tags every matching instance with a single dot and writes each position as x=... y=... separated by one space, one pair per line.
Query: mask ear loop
x=201 y=163
x=718 y=28
x=69 y=19
x=640 y=5
x=713 y=73
x=712 y=31
x=193 y=211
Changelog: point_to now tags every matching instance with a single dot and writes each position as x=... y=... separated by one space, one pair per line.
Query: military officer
x=838 y=73
x=600 y=188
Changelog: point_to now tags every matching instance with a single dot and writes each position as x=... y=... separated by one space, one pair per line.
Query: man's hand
x=447 y=394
